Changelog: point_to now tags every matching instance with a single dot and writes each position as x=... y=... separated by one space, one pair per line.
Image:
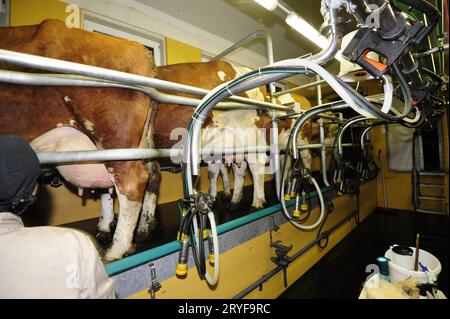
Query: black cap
x=19 y=171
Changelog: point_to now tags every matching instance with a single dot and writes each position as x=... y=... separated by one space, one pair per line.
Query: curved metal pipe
x=320 y=58
x=308 y=115
x=36 y=79
x=254 y=35
x=336 y=40
x=367 y=130
x=344 y=129
x=269 y=52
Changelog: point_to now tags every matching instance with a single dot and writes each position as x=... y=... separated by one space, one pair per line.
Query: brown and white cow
x=219 y=129
x=224 y=129
x=110 y=118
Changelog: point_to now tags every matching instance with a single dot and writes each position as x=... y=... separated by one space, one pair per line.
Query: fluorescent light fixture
x=268 y=4
x=307 y=30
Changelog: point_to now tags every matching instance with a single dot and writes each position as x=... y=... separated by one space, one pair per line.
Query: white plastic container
x=403 y=257
x=398 y=273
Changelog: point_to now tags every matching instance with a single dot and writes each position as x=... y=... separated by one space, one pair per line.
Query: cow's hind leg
x=147 y=221
x=213 y=175
x=130 y=180
x=226 y=182
x=257 y=169
x=239 y=179
x=106 y=223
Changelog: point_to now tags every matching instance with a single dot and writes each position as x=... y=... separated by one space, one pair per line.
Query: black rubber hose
x=199 y=259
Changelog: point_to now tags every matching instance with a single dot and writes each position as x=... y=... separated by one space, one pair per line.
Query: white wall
x=161 y=25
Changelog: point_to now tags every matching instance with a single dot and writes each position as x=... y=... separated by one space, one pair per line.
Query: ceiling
x=234 y=19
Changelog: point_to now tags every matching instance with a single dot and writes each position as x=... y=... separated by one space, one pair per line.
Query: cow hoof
x=152 y=226
x=143 y=236
x=234 y=207
x=104 y=238
x=226 y=196
x=130 y=251
x=258 y=205
x=108 y=258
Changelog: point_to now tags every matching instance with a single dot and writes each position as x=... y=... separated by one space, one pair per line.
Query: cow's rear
x=111 y=118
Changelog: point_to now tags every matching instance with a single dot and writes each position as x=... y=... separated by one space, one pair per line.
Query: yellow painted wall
x=243 y=265
x=28 y=12
x=179 y=52
x=399 y=184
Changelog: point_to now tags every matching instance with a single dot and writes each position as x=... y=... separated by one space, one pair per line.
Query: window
x=153 y=46
x=4 y=13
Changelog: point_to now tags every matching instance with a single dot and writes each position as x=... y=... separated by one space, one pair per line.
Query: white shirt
x=49 y=263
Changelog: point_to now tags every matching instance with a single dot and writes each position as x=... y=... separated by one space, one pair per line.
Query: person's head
x=19 y=171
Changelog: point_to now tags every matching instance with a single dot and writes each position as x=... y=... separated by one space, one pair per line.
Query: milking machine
x=399 y=62
x=303 y=178
x=193 y=231
x=367 y=168
x=346 y=176
x=300 y=185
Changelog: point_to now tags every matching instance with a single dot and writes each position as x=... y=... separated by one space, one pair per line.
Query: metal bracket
x=155 y=286
x=282 y=258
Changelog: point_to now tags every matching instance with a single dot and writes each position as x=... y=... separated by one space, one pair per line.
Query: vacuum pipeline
x=432 y=51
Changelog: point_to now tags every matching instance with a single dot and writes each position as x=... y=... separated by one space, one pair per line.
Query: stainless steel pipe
x=252 y=36
x=367 y=130
x=329 y=53
x=305 y=117
x=323 y=154
x=113 y=155
x=301 y=87
x=35 y=79
x=431 y=51
x=60 y=66
x=344 y=128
